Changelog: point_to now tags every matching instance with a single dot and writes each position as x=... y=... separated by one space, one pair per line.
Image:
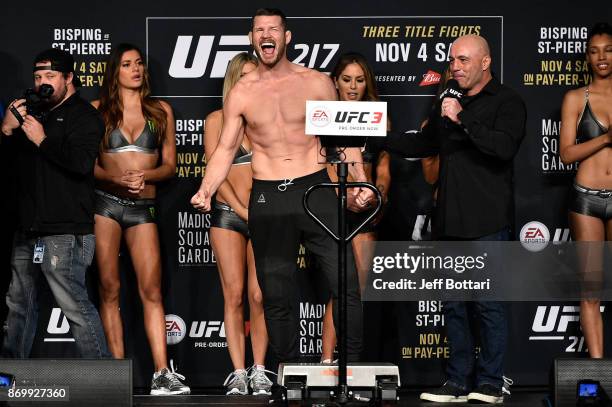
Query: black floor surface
x=528 y=397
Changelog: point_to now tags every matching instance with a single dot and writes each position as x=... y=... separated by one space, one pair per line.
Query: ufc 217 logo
x=58 y=329
x=552 y=323
x=203 y=48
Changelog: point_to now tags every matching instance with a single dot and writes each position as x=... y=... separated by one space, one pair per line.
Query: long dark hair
x=371 y=93
x=111 y=106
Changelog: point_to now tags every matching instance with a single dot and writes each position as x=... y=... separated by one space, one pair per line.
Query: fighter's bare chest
x=279 y=106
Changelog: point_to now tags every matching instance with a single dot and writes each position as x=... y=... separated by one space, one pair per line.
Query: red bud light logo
x=534 y=236
x=430 y=78
x=175 y=329
x=320 y=116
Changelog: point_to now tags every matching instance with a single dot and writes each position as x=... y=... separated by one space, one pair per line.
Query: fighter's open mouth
x=268 y=47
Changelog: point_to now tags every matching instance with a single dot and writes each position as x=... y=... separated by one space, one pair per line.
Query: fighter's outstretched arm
x=220 y=162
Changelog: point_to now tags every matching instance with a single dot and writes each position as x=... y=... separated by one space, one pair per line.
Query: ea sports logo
x=534 y=236
x=175 y=329
x=320 y=116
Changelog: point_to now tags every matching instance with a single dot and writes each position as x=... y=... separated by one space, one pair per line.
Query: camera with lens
x=36 y=102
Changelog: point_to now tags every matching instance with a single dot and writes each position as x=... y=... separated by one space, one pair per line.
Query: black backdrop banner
x=537 y=48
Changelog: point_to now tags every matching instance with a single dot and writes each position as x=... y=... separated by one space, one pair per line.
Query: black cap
x=60 y=60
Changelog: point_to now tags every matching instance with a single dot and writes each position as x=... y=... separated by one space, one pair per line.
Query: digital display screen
x=588 y=389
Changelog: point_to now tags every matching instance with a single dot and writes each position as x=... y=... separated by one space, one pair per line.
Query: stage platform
x=521 y=397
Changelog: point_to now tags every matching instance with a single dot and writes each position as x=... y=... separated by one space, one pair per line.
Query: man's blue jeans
x=65 y=262
x=493 y=337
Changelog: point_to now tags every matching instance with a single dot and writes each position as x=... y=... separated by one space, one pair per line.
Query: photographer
x=55 y=135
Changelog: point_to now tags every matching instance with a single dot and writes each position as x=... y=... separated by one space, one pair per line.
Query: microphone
x=452 y=91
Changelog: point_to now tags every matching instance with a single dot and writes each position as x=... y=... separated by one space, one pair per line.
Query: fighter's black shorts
x=126 y=212
x=277 y=225
x=224 y=217
x=592 y=202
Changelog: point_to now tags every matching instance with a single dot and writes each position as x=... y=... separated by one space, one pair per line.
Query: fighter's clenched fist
x=201 y=200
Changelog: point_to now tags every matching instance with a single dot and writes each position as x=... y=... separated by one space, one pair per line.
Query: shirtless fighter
x=271 y=103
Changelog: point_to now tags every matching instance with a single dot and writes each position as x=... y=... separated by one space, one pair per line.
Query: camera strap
x=16 y=114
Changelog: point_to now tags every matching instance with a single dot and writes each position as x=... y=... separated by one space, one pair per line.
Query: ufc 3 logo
x=360 y=117
x=201 y=56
